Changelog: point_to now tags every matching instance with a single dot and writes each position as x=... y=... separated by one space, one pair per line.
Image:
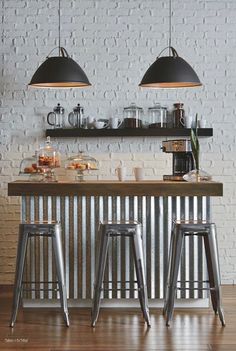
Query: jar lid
x=47 y=146
x=133 y=107
x=156 y=106
x=82 y=157
x=178 y=104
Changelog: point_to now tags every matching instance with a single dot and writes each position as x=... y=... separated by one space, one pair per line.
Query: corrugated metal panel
x=80 y=216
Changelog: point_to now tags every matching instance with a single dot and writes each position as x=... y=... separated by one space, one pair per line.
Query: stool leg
x=177 y=245
x=168 y=277
x=101 y=264
x=210 y=274
x=211 y=246
x=140 y=272
x=58 y=254
x=20 y=261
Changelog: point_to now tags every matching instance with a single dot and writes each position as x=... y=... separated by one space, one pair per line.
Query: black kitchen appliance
x=182 y=158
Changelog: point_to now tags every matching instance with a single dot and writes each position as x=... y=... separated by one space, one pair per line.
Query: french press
x=56 y=118
x=76 y=118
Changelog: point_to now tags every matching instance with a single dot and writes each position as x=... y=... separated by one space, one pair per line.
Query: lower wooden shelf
x=78 y=132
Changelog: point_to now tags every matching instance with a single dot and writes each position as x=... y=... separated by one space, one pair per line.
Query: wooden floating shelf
x=169 y=132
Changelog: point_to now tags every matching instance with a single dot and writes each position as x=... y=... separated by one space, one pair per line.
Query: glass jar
x=76 y=118
x=178 y=115
x=48 y=158
x=157 y=116
x=29 y=167
x=133 y=116
x=81 y=163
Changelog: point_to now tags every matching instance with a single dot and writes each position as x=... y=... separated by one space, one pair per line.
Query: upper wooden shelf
x=78 y=132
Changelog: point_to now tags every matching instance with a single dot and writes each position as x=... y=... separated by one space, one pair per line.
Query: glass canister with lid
x=133 y=116
x=81 y=163
x=157 y=116
x=48 y=158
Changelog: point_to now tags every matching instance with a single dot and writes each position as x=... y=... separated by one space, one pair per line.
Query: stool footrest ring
x=120 y=281
x=39 y=282
x=193 y=281
x=44 y=289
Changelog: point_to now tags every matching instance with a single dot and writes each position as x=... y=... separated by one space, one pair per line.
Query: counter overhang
x=115 y=188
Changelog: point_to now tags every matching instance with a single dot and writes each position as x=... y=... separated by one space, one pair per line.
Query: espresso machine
x=182 y=161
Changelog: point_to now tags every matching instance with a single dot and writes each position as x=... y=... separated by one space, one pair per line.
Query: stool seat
x=207 y=231
x=133 y=230
x=40 y=228
x=26 y=231
x=120 y=227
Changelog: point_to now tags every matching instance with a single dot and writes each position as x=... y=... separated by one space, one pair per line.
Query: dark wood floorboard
x=119 y=329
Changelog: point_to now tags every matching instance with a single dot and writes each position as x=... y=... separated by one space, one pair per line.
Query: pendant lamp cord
x=170 y=26
x=2 y=22
x=59 y=26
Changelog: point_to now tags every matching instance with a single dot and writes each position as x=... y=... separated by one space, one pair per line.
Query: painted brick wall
x=115 y=41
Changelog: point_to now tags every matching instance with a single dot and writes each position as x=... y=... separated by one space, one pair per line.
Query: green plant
x=195 y=143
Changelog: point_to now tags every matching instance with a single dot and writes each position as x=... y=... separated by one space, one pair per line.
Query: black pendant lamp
x=170 y=71
x=59 y=71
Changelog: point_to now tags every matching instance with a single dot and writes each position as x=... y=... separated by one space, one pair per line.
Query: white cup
x=121 y=173
x=100 y=124
x=202 y=123
x=114 y=123
x=188 y=121
x=138 y=173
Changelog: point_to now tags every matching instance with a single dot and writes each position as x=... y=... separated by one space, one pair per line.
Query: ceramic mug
x=138 y=173
x=99 y=124
x=188 y=121
x=121 y=173
x=114 y=123
x=202 y=123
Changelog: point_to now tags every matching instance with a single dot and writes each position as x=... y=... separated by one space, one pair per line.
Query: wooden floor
x=191 y=330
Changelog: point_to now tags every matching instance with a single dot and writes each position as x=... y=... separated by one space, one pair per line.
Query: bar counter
x=80 y=206
x=116 y=188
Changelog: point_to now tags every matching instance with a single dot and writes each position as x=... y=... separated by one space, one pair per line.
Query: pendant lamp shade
x=59 y=72
x=170 y=72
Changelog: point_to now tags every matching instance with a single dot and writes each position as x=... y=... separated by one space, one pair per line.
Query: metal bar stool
x=27 y=230
x=208 y=232
x=131 y=229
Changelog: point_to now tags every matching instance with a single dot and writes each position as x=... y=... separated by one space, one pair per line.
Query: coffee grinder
x=182 y=158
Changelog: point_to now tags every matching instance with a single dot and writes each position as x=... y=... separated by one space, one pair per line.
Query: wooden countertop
x=116 y=188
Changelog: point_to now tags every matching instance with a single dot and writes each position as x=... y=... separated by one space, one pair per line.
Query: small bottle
x=178 y=115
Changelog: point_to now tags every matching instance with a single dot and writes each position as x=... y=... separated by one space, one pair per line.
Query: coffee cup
x=114 y=123
x=121 y=173
x=99 y=124
x=188 y=121
x=202 y=123
x=138 y=173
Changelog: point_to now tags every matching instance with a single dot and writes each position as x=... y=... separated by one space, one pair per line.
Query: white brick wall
x=115 y=41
